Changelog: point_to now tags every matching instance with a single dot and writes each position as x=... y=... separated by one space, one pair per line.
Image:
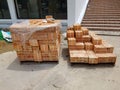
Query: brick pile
x=87 y=47
x=36 y=45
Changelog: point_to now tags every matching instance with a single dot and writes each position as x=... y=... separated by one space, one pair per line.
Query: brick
x=20 y=55
x=70 y=34
x=53 y=42
x=96 y=40
x=71 y=47
x=37 y=55
x=93 y=58
x=106 y=58
x=53 y=47
x=100 y=49
x=53 y=57
x=88 y=46
x=52 y=36
x=78 y=56
x=44 y=48
x=79 y=39
x=86 y=38
x=85 y=31
x=35 y=48
x=43 y=42
x=33 y=42
x=109 y=47
x=48 y=16
x=45 y=56
x=79 y=46
x=77 y=27
x=55 y=53
x=16 y=36
x=78 y=34
x=28 y=55
x=49 y=19
x=38 y=35
x=71 y=41
x=27 y=47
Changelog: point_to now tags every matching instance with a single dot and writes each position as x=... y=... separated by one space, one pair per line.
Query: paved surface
x=59 y=76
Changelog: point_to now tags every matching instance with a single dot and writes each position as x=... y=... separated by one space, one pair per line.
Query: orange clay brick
x=88 y=46
x=100 y=49
x=70 y=34
x=85 y=31
x=78 y=56
x=77 y=27
x=71 y=41
x=86 y=38
x=78 y=34
x=93 y=58
x=33 y=42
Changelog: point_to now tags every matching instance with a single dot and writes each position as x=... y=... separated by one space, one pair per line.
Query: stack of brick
x=87 y=47
x=36 y=45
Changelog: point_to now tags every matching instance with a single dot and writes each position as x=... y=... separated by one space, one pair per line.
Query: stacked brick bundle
x=87 y=47
x=37 y=45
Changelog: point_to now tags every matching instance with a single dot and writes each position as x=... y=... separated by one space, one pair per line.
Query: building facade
x=68 y=11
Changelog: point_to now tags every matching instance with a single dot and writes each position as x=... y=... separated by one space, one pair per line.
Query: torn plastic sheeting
x=1 y=36
x=6 y=36
x=25 y=29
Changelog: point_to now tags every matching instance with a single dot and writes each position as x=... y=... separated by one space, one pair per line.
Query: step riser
x=84 y=23
x=102 y=15
x=100 y=25
x=100 y=22
x=101 y=19
x=102 y=29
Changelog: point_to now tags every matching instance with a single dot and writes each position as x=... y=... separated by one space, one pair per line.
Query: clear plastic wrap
x=36 y=40
x=25 y=29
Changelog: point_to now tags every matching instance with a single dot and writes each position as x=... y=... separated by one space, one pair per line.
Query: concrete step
x=104 y=28
x=101 y=19
x=105 y=14
x=104 y=7
x=100 y=22
x=109 y=33
x=103 y=10
x=101 y=25
x=102 y=13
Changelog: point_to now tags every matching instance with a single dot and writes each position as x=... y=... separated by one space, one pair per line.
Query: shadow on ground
x=93 y=66
x=31 y=66
x=65 y=53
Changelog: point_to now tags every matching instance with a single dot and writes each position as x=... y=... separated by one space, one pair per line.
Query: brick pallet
x=36 y=40
x=87 y=47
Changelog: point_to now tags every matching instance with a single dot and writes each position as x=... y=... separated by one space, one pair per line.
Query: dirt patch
x=5 y=46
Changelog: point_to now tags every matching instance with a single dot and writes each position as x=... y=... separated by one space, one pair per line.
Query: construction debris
x=87 y=47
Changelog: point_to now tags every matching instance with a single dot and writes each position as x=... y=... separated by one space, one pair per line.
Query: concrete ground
x=59 y=76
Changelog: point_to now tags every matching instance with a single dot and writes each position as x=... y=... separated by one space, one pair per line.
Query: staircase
x=102 y=15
